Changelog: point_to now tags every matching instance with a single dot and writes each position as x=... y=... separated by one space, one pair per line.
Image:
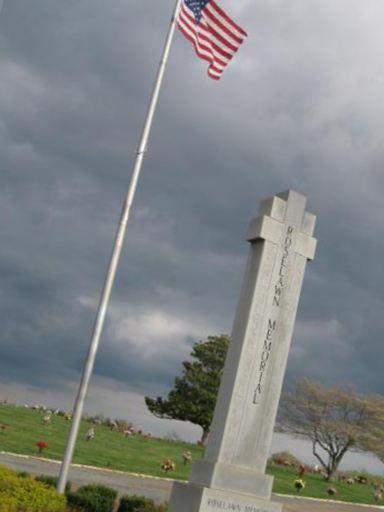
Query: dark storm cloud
x=300 y=107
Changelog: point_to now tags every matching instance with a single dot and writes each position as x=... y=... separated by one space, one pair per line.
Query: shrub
x=36 y=497
x=6 y=473
x=153 y=508
x=7 y=503
x=93 y=498
x=140 y=504
x=22 y=474
x=133 y=503
x=26 y=494
x=51 y=481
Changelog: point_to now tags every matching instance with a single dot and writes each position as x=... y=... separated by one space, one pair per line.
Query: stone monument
x=231 y=477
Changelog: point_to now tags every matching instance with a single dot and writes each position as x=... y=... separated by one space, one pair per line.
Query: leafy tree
x=335 y=420
x=193 y=396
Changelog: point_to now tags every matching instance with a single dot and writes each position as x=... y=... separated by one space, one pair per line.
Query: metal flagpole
x=105 y=295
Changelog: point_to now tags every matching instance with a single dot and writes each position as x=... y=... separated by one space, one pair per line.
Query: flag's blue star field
x=196 y=6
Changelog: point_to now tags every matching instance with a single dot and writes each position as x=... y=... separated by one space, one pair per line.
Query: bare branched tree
x=335 y=420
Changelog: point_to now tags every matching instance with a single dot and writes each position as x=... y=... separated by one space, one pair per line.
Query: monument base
x=228 y=477
x=187 y=497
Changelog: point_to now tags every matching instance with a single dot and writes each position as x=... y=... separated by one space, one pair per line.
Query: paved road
x=156 y=488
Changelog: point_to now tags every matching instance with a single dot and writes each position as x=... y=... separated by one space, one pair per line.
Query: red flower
x=41 y=445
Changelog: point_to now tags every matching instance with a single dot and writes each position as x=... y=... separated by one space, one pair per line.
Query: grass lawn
x=316 y=486
x=112 y=450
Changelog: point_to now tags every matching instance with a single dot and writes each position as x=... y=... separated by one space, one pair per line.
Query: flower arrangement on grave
x=90 y=435
x=299 y=484
x=47 y=418
x=168 y=465
x=187 y=457
x=42 y=445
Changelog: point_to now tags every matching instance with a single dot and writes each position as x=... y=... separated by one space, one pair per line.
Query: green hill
x=109 y=449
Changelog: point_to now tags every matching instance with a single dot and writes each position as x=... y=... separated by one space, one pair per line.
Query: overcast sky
x=299 y=107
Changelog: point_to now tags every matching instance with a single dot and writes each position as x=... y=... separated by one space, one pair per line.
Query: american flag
x=215 y=37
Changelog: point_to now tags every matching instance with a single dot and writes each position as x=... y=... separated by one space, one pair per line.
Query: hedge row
x=136 y=504
x=98 y=498
x=22 y=493
x=139 y=504
x=93 y=498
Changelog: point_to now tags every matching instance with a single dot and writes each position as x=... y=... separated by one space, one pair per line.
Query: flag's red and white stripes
x=216 y=38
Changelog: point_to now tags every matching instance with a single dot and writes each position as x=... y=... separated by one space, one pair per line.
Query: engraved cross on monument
x=232 y=475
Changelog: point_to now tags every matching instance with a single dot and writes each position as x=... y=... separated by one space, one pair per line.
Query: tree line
x=335 y=420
